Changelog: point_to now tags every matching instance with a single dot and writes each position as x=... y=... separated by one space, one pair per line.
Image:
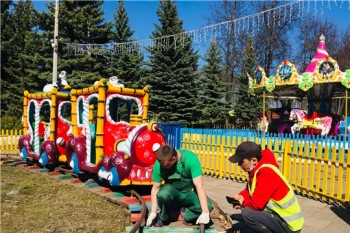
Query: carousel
x=315 y=102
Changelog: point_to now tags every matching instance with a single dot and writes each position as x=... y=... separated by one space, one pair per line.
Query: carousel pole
x=264 y=111
x=346 y=113
x=54 y=44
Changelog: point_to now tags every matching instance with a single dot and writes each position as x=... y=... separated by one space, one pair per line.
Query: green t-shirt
x=192 y=165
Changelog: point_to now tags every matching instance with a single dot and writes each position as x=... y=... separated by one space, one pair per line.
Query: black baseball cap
x=246 y=150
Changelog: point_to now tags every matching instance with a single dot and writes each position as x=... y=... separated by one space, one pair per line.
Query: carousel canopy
x=322 y=69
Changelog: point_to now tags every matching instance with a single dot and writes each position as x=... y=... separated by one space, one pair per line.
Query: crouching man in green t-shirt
x=183 y=187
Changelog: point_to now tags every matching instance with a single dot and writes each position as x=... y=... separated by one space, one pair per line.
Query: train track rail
x=136 y=199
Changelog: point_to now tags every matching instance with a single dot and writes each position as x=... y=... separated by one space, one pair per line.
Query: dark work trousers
x=169 y=198
x=253 y=221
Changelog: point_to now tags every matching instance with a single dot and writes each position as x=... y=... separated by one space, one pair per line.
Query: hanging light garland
x=201 y=36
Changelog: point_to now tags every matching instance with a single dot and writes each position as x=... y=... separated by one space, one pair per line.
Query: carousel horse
x=340 y=127
x=297 y=116
x=301 y=120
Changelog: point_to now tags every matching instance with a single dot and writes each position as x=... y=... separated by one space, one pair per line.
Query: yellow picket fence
x=314 y=171
x=9 y=141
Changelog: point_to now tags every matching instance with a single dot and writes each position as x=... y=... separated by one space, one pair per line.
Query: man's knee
x=248 y=214
x=247 y=211
x=166 y=193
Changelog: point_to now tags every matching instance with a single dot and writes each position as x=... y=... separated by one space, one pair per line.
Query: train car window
x=45 y=112
x=31 y=115
x=123 y=113
x=113 y=109
x=80 y=111
x=134 y=108
x=93 y=110
x=92 y=102
x=120 y=109
x=65 y=111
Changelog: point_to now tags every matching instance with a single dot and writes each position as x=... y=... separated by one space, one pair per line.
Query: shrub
x=10 y=122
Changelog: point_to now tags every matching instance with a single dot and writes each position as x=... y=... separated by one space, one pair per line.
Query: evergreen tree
x=247 y=107
x=21 y=58
x=213 y=89
x=172 y=70
x=79 y=22
x=6 y=49
x=127 y=65
x=5 y=16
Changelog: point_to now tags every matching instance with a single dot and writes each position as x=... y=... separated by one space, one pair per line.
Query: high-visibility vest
x=287 y=208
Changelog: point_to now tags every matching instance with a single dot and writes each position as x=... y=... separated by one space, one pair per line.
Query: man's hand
x=203 y=218
x=240 y=198
x=150 y=219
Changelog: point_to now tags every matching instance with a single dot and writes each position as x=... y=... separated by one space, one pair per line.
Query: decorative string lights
x=203 y=35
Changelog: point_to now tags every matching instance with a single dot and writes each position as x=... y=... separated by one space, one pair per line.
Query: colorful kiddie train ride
x=317 y=89
x=101 y=129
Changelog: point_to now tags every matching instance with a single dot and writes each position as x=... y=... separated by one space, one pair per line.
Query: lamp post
x=54 y=44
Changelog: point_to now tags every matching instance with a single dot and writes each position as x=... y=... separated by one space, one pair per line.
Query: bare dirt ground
x=33 y=202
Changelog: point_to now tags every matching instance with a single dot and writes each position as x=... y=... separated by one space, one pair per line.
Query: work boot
x=182 y=211
x=160 y=223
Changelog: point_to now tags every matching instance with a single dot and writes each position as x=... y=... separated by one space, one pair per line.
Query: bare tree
x=272 y=41
x=308 y=36
x=270 y=35
x=224 y=11
x=342 y=54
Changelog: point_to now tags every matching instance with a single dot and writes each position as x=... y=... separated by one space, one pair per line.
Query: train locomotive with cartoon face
x=101 y=129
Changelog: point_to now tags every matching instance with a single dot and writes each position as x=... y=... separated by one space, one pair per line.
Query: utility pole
x=54 y=44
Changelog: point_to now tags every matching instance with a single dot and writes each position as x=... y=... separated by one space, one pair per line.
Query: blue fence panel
x=172 y=133
x=221 y=132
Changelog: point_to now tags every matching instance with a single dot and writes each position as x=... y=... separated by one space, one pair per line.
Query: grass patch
x=34 y=202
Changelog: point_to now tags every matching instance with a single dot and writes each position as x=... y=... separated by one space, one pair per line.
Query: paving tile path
x=319 y=217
